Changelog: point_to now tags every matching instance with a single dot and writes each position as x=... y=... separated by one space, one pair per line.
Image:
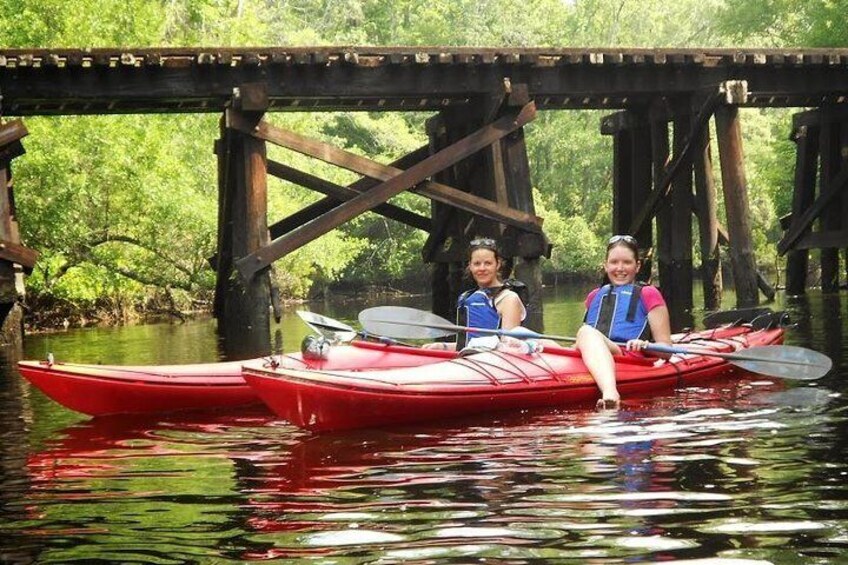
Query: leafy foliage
x=785 y=23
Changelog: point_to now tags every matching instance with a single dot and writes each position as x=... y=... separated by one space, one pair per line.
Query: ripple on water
x=333 y=538
x=739 y=527
x=499 y=533
x=717 y=561
x=654 y=543
x=635 y=496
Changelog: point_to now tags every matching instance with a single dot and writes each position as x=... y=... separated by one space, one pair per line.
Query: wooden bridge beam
x=826 y=195
x=663 y=185
x=632 y=175
x=526 y=248
x=446 y=275
x=341 y=194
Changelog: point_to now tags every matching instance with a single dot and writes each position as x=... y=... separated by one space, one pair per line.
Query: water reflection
x=658 y=481
x=749 y=469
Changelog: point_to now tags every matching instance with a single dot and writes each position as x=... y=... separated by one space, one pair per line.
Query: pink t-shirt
x=650 y=297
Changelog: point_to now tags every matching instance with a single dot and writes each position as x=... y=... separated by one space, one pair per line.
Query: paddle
x=372 y=320
x=783 y=361
x=339 y=332
x=333 y=330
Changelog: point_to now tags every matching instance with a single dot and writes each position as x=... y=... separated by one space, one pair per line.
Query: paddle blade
x=381 y=320
x=785 y=362
x=333 y=330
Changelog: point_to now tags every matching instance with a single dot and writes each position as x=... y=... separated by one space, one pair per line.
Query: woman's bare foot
x=608 y=404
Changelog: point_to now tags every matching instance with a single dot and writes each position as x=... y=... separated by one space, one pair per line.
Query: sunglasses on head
x=483 y=242
x=624 y=237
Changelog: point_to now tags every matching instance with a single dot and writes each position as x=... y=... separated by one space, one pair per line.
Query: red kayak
x=330 y=399
x=99 y=390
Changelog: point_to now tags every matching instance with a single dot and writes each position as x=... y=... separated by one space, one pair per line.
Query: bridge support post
x=442 y=247
x=705 y=196
x=806 y=138
x=830 y=162
x=631 y=181
x=14 y=258
x=735 y=189
x=11 y=282
x=682 y=200
x=674 y=216
x=642 y=170
x=660 y=155
x=242 y=306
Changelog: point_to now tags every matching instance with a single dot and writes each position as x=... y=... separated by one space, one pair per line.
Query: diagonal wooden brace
x=248 y=266
x=836 y=186
x=364 y=166
x=339 y=194
x=17 y=253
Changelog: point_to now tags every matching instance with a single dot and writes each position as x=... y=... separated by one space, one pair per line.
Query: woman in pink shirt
x=621 y=317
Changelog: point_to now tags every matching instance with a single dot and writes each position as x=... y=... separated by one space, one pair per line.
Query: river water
x=737 y=471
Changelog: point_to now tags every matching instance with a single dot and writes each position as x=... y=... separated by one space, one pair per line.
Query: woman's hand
x=637 y=344
x=512 y=345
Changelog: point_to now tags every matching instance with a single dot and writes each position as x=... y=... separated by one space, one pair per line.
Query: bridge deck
x=157 y=80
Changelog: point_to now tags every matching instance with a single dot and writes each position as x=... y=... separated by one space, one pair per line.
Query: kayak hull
x=324 y=400
x=101 y=390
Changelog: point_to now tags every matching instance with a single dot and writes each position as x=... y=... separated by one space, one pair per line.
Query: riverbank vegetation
x=124 y=208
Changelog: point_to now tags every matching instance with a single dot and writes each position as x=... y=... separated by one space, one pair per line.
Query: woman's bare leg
x=596 y=351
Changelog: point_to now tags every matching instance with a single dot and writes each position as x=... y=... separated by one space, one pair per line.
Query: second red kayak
x=335 y=399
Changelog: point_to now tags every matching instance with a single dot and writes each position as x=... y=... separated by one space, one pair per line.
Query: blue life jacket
x=476 y=308
x=618 y=313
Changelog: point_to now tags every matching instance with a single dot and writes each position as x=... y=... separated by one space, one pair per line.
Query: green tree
x=784 y=23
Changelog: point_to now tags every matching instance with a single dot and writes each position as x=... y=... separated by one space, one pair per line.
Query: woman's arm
x=660 y=325
x=511 y=310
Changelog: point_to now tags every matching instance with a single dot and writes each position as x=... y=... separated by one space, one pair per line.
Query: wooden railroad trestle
x=474 y=168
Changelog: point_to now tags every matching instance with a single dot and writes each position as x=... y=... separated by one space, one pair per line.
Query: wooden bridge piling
x=631 y=175
x=527 y=248
x=735 y=189
x=681 y=207
x=642 y=173
x=706 y=210
x=15 y=259
x=673 y=202
x=830 y=161
x=242 y=307
x=806 y=138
